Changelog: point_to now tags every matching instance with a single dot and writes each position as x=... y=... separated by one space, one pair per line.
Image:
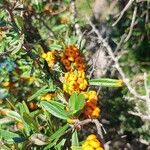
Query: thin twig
x=94 y=64
x=143 y=117
x=97 y=124
x=132 y=24
x=147 y=92
x=123 y=11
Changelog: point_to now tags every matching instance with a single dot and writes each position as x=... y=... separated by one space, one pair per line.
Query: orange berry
x=33 y=106
x=19 y=125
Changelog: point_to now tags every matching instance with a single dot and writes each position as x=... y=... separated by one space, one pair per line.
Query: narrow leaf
x=75 y=141
x=30 y=121
x=55 y=137
x=43 y=90
x=13 y=115
x=104 y=82
x=7 y=135
x=59 y=132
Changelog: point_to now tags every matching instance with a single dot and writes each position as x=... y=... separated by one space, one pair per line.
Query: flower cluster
x=50 y=58
x=74 y=82
x=91 y=110
x=92 y=143
x=71 y=58
x=48 y=97
x=90 y=95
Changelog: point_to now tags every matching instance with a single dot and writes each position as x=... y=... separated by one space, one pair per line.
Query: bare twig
x=123 y=11
x=138 y=1
x=117 y=65
x=147 y=92
x=94 y=63
x=115 y=52
x=97 y=124
x=132 y=24
x=143 y=117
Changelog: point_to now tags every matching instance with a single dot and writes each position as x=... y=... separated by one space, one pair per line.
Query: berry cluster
x=92 y=143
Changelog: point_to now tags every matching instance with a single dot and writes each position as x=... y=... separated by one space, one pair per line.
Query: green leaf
x=59 y=132
x=19 y=22
x=105 y=82
x=23 y=108
x=56 y=109
x=13 y=115
x=41 y=91
x=30 y=121
x=76 y=102
x=56 y=136
x=60 y=144
x=7 y=135
x=4 y=147
x=61 y=27
x=75 y=141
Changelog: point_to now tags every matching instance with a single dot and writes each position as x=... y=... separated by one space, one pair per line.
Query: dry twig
x=132 y=24
x=117 y=65
x=123 y=11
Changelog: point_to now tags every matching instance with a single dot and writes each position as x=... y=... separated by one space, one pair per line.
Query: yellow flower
x=47 y=97
x=6 y=84
x=50 y=58
x=83 y=84
x=94 y=143
x=91 y=137
x=85 y=95
x=96 y=112
x=99 y=148
x=92 y=95
x=88 y=147
x=81 y=74
x=44 y=55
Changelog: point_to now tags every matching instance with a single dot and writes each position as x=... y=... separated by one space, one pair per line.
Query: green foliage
x=76 y=103
x=55 y=108
x=75 y=141
x=104 y=82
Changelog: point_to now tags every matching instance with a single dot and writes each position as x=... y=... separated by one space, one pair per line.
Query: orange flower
x=72 y=52
x=91 y=110
x=79 y=63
